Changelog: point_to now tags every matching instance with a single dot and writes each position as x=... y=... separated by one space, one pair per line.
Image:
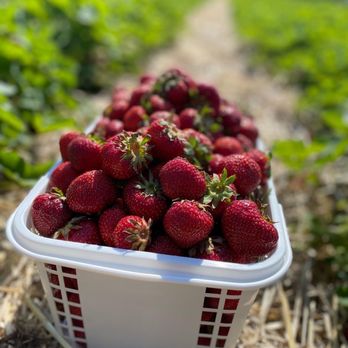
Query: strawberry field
x=172 y=169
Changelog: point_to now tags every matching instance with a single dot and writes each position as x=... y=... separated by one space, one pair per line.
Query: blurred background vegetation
x=50 y=48
x=304 y=41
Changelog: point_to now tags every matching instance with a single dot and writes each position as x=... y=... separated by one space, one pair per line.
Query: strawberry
x=62 y=176
x=216 y=163
x=64 y=143
x=84 y=153
x=246 y=143
x=108 y=221
x=166 y=140
x=208 y=96
x=188 y=118
x=135 y=118
x=80 y=230
x=263 y=161
x=91 y=192
x=143 y=198
x=106 y=128
x=139 y=93
x=50 y=212
x=175 y=86
x=163 y=244
x=247 y=231
x=125 y=154
x=187 y=223
x=231 y=118
x=220 y=193
x=165 y=115
x=227 y=146
x=116 y=110
x=147 y=79
x=200 y=137
x=132 y=232
x=212 y=249
x=246 y=170
x=157 y=103
x=181 y=179
x=249 y=129
x=120 y=93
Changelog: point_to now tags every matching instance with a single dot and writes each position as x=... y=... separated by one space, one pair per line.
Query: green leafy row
x=48 y=48
x=304 y=40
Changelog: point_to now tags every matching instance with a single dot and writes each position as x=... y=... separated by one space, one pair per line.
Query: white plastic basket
x=109 y=297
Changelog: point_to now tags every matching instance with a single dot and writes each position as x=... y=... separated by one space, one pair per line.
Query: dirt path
x=208 y=48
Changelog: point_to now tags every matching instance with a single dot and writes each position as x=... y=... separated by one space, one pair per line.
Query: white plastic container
x=108 y=297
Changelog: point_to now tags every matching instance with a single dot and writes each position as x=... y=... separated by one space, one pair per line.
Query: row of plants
x=48 y=49
x=304 y=41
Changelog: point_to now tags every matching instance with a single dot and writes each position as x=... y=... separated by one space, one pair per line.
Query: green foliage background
x=305 y=41
x=48 y=48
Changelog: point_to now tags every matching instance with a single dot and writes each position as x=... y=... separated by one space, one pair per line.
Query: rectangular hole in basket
x=206 y=329
x=211 y=302
x=56 y=293
x=70 y=283
x=227 y=318
x=59 y=306
x=234 y=292
x=68 y=270
x=51 y=266
x=79 y=334
x=73 y=297
x=53 y=278
x=65 y=331
x=62 y=319
x=77 y=322
x=208 y=316
x=75 y=311
x=204 y=341
x=220 y=343
x=223 y=330
x=231 y=304
x=213 y=291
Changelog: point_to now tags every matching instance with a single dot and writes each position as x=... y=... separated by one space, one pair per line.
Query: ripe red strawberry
x=135 y=118
x=157 y=103
x=62 y=176
x=227 y=146
x=163 y=244
x=132 y=232
x=247 y=231
x=106 y=128
x=64 y=143
x=188 y=118
x=166 y=140
x=107 y=223
x=216 y=163
x=116 y=110
x=220 y=193
x=81 y=230
x=212 y=249
x=246 y=143
x=181 y=179
x=263 y=161
x=200 y=137
x=187 y=223
x=84 y=154
x=208 y=96
x=147 y=79
x=165 y=115
x=120 y=93
x=139 y=93
x=143 y=198
x=246 y=170
x=49 y=213
x=231 y=118
x=91 y=192
x=249 y=129
x=125 y=154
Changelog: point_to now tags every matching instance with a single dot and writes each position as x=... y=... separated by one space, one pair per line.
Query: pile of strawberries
x=170 y=168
